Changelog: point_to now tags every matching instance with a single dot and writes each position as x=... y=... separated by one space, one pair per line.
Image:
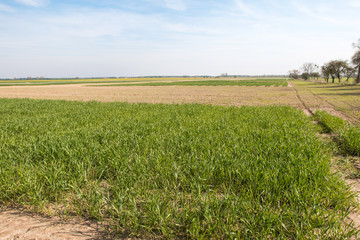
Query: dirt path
x=306 y=110
x=18 y=224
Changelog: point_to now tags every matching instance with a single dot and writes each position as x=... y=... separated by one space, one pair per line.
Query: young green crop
x=349 y=135
x=174 y=171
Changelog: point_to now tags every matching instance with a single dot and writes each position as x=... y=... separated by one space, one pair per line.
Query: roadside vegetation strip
x=174 y=171
x=349 y=135
x=254 y=82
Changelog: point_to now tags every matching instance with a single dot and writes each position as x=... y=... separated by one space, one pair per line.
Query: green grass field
x=247 y=82
x=174 y=171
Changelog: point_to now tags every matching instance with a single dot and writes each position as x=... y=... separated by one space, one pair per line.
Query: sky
x=109 y=38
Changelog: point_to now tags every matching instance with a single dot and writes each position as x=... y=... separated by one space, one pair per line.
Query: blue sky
x=86 y=38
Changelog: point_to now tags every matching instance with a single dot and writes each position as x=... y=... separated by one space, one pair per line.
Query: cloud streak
x=244 y=8
x=314 y=14
x=33 y=3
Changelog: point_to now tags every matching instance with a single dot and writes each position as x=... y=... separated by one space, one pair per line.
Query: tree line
x=335 y=69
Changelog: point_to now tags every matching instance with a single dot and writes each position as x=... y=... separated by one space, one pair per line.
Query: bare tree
x=294 y=74
x=357 y=44
x=309 y=69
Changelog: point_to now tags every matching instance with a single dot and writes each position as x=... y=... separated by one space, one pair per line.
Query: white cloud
x=6 y=8
x=178 y=5
x=33 y=3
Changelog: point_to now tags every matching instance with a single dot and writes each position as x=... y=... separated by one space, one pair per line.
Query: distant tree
x=325 y=72
x=356 y=60
x=337 y=67
x=315 y=75
x=357 y=44
x=349 y=72
x=329 y=70
x=309 y=69
x=305 y=75
x=294 y=74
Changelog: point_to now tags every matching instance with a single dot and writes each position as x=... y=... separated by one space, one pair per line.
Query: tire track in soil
x=306 y=110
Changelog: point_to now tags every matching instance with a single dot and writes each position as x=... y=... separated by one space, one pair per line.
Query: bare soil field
x=216 y=95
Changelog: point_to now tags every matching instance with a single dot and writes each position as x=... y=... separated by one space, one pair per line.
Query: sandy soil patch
x=17 y=224
x=290 y=84
x=355 y=187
